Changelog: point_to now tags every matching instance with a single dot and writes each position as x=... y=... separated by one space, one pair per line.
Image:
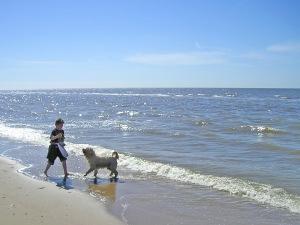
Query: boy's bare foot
x=66 y=176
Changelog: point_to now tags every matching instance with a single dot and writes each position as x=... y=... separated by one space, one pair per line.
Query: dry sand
x=24 y=200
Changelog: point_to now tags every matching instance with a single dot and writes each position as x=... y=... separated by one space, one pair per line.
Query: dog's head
x=88 y=152
x=115 y=155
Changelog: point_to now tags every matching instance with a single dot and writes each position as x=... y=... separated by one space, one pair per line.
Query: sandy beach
x=24 y=200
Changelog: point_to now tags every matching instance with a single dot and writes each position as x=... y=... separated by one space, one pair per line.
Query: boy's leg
x=47 y=168
x=64 y=164
x=51 y=156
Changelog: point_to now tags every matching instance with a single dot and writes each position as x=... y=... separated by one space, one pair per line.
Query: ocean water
x=224 y=156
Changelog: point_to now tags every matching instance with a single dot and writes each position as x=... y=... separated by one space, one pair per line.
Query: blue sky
x=213 y=43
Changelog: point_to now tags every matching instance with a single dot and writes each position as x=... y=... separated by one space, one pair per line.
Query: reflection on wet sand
x=107 y=190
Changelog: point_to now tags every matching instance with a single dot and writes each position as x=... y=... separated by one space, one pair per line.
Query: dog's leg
x=95 y=173
x=115 y=172
x=115 y=179
x=87 y=172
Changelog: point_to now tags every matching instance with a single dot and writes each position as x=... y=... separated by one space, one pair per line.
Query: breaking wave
x=258 y=129
x=262 y=193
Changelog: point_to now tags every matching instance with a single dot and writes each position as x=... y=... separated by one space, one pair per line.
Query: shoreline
x=25 y=200
x=131 y=201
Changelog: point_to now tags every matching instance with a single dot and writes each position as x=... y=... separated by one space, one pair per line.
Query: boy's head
x=59 y=123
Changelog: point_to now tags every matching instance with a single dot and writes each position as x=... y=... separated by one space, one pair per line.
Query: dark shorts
x=53 y=152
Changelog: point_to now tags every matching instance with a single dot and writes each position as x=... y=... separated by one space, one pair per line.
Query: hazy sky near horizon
x=169 y=43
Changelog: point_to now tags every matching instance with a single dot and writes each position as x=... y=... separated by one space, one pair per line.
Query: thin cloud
x=42 y=62
x=205 y=48
x=253 y=56
x=284 y=48
x=198 y=45
x=185 y=58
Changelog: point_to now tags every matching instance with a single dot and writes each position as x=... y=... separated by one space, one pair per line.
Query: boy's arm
x=52 y=137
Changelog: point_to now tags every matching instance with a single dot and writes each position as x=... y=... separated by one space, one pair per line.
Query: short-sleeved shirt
x=56 y=132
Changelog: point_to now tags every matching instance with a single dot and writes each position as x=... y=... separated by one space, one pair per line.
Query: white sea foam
x=224 y=96
x=262 y=193
x=125 y=94
x=56 y=92
x=201 y=123
x=27 y=135
x=23 y=92
x=260 y=129
x=129 y=113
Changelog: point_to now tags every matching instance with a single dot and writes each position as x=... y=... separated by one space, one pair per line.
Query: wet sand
x=24 y=200
x=160 y=202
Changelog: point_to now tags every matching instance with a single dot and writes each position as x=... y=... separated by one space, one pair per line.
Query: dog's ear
x=93 y=152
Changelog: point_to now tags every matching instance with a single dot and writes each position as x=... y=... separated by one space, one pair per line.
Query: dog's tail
x=115 y=155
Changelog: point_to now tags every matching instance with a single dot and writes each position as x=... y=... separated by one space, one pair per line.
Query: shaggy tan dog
x=97 y=162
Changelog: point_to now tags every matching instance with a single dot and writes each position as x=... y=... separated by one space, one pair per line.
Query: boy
x=56 y=147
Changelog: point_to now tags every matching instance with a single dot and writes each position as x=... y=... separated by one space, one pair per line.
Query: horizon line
x=78 y=88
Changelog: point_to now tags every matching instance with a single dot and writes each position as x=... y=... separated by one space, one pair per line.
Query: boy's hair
x=59 y=121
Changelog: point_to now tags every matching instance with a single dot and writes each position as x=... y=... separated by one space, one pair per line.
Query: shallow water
x=186 y=152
